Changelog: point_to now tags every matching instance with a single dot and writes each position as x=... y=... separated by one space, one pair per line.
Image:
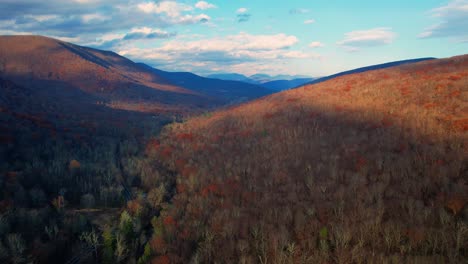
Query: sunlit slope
x=365 y=167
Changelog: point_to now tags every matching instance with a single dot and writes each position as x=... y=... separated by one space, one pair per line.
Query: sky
x=296 y=37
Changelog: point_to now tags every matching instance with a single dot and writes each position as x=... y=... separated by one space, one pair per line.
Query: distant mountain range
x=276 y=83
x=229 y=90
x=231 y=77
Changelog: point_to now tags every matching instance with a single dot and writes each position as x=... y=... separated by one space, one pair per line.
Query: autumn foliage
x=74 y=164
x=345 y=171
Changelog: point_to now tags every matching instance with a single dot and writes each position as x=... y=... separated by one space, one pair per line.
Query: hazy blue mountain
x=281 y=85
x=289 y=77
x=261 y=78
x=231 y=77
x=236 y=91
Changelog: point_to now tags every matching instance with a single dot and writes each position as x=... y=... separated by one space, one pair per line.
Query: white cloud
x=294 y=54
x=457 y=6
x=367 y=38
x=228 y=52
x=242 y=10
x=145 y=54
x=96 y=17
x=204 y=5
x=234 y=43
x=119 y=40
x=426 y=34
x=259 y=42
x=299 y=11
x=111 y=36
x=351 y=49
x=73 y=40
x=147 y=33
x=309 y=21
x=91 y=19
x=191 y=19
x=174 y=11
x=170 y=8
x=42 y=18
x=148 y=7
x=453 y=21
x=316 y=44
x=86 y=1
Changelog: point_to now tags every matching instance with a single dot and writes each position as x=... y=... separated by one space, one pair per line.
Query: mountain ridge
x=371 y=68
x=34 y=60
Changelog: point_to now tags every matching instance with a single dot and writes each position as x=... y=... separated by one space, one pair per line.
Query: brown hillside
x=40 y=62
x=365 y=168
x=91 y=70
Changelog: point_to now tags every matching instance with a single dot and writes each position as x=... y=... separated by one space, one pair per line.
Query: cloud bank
x=230 y=53
x=453 y=21
x=88 y=19
x=355 y=40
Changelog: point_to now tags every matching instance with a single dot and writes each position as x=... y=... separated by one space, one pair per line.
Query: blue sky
x=304 y=37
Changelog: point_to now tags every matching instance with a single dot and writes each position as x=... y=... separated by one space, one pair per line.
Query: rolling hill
x=43 y=63
x=364 y=168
